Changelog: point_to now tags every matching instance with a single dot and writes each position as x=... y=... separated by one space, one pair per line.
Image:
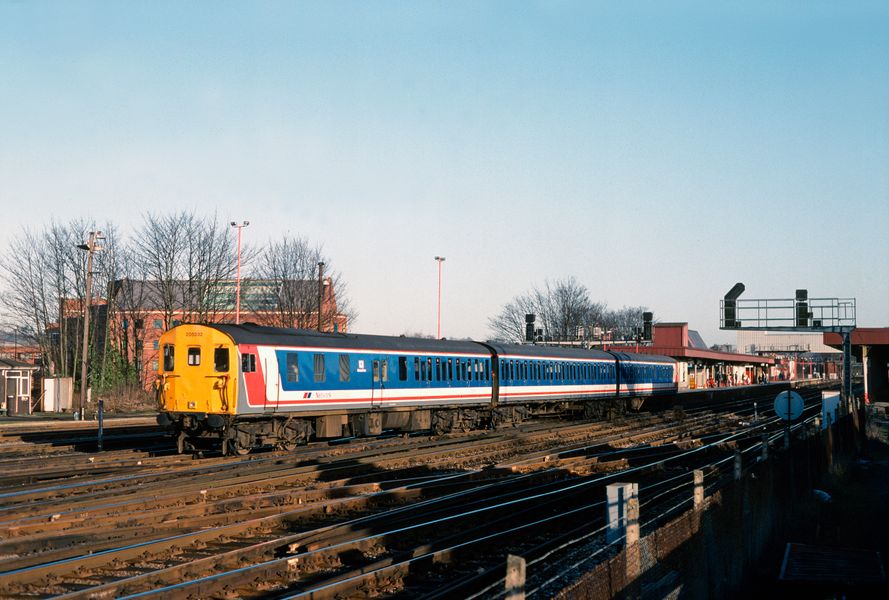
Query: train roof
x=280 y=336
x=650 y=358
x=548 y=351
x=561 y=352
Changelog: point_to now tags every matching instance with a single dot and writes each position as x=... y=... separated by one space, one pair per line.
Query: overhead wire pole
x=238 y=285
x=440 y=260
x=90 y=246
x=320 y=291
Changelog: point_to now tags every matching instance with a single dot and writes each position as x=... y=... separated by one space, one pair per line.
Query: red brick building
x=137 y=312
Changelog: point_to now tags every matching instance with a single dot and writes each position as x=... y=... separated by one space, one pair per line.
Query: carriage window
x=376 y=371
x=429 y=369
x=451 y=369
x=292 y=367
x=468 y=369
x=320 y=375
x=437 y=369
x=168 y=357
x=416 y=369
x=345 y=367
x=402 y=368
x=385 y=371
x=423 y=370
x=220 y=360
x=194 y=357
x=248 y=363
x=487 y=370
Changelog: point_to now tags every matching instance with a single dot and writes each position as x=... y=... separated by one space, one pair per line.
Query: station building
x=699 y=366
x=802 y=355
x=131 y=320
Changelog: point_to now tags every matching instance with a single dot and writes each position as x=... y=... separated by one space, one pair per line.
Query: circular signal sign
x=789 y=405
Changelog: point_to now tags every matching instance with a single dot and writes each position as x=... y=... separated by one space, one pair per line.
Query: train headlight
x=191 y=405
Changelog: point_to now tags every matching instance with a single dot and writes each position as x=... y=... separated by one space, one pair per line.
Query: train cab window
x=291 y=363
x=402 y=368
x=220 y=360
x=248 y=363
x=194 y=357
x=345 y=367
x=320 y=375
x=168 y=357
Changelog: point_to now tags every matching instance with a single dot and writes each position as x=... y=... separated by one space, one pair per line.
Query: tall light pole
x=439 y=259
x=238 y=288
x=91 y=246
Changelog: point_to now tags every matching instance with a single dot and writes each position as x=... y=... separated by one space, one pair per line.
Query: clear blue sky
x=659 y=152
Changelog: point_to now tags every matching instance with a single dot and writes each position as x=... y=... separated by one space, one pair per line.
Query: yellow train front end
x=197 y=382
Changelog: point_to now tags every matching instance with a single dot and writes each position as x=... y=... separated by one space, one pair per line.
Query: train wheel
x=241 y=450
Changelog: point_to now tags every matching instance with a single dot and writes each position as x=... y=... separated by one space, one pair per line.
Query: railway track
x=386 y=516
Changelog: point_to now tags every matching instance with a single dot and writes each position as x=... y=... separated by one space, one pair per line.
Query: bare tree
x=210 y=259
x=284 y=287
x=565 y=312
x=189 y=259
x=563 y=307
x=624 y=321
x=159 y=245
x=509 y=324
x=44 y=274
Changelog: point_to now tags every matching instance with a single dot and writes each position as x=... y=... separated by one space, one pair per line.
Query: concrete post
x=864 y=361
x=617 y=495
x=515 y=577
x=765 y=447
x=633 y=549
x=739 y=465
x=699 y=488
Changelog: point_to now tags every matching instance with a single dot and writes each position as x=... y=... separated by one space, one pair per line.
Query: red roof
x=861 y=336
x=687 y=352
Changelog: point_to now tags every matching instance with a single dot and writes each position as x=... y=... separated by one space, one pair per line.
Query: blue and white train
x=246 y=385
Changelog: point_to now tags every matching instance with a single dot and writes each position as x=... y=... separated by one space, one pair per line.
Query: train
x=240 y=387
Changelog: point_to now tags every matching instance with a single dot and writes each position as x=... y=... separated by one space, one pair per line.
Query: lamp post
x=91 y=246
x=439 y=259
x=238 y=287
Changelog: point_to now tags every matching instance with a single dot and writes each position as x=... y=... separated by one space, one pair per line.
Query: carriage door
x=380 y=380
